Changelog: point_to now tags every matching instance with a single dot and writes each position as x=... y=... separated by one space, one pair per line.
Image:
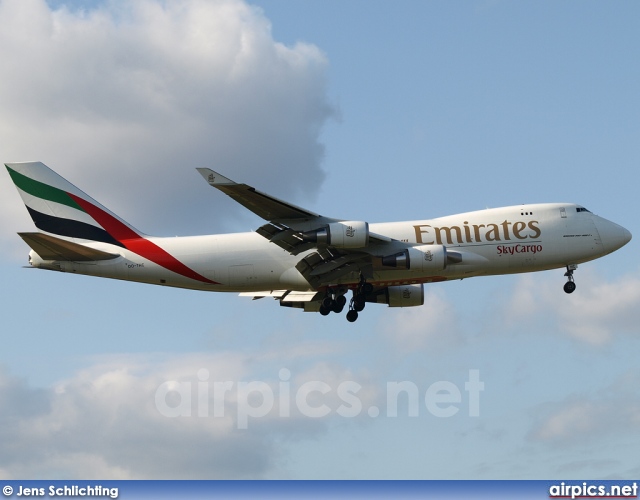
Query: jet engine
x=345 y=234
x=423 y=258
x=405 y=295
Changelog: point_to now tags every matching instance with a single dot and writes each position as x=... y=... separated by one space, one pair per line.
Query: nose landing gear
x=570 y=285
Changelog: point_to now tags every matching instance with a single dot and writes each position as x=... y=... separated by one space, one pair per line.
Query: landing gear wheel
x=352 y=315
x=359 y=302
x=338 y=304
x=327 y=303
x=570 y=286
x=324 y=311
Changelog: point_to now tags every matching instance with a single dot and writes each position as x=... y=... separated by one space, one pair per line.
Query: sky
x=362 y=110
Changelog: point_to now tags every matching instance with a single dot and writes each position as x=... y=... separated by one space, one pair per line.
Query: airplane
x=303 y=259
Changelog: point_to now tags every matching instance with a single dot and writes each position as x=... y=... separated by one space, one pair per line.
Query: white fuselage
x=505 y=240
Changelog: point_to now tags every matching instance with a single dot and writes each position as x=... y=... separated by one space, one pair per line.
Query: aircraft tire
x=569 y=287
x=352 y=315
x=358 y=303
x=327 y=303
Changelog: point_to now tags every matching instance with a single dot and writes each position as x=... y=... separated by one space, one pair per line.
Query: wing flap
x=276 y=294
x=52 y=248
x=323 y=267
x=283 y=295
x=285 y=237
x=294 y=296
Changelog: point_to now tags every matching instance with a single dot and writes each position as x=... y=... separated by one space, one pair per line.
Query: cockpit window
x=582 y=209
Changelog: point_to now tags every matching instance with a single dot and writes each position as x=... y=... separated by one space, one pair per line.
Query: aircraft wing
x=296 y=230
x=261 y=204
x=285 y=218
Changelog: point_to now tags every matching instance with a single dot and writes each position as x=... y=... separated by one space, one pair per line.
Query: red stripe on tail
x=136 y=243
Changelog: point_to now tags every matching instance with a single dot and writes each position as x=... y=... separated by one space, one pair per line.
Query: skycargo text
x=512 y=250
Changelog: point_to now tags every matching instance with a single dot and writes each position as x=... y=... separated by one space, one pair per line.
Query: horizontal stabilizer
x=52 y=248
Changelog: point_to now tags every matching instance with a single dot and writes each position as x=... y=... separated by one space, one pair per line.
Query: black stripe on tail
x=71 y=228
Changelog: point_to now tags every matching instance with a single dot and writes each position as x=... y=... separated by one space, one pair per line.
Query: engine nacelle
x=346 y=234
x=405 y=295
x=423 y=258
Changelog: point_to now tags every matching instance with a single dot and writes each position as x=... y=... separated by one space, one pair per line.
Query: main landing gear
x=335 y=300
x=359 y=299
x=570 y=285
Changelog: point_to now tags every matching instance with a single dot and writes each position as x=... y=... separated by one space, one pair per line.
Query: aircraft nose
x=611 y=234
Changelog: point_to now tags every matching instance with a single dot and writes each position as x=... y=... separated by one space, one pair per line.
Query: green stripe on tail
x=41 y=190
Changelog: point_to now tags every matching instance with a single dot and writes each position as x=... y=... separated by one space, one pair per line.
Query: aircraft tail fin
x=58 y=207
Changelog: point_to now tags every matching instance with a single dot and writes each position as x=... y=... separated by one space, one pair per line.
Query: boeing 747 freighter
x=303 y=259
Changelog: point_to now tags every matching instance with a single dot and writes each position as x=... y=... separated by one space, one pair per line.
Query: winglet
x=214 y=178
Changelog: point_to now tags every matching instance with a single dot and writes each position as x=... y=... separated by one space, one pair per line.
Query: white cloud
x=576 y=418
x=602 y=310
x=432 y=325
x=127 y=99
x=595 y=313
x=106 y=422
x=584 y=419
